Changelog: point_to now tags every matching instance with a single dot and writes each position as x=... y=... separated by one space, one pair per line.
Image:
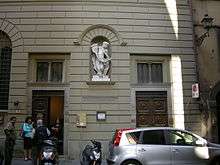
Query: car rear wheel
x=131 y=162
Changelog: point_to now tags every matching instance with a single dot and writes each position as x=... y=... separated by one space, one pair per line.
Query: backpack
x=21 y=131
x=41 y=133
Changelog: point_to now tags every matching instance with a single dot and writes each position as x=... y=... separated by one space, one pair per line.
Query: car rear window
x=133 y=137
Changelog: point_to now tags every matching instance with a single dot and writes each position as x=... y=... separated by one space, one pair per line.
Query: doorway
x=151 y=107
x=218 y=114
x=49 y=106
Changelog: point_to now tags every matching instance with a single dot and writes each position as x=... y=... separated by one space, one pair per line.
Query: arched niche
x=100 y=56
x=100 y=30
x=103 y=38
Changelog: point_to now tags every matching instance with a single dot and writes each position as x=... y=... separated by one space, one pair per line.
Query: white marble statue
x=101 y=61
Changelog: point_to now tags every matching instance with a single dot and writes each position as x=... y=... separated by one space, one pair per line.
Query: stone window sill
x=47 y=84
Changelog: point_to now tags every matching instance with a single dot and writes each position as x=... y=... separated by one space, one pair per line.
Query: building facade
x=95 y=66
x=208 y=56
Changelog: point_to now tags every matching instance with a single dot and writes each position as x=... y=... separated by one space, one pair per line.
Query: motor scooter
x=48 y=153
x=92 y=154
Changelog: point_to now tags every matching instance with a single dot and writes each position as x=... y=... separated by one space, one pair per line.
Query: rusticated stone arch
x=100 y=30
x=13 y=33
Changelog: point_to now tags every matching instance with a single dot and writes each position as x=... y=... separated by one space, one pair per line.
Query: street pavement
x=19 y=161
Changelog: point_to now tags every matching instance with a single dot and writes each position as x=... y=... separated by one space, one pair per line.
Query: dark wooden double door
x=151 y=107
x=49 y=106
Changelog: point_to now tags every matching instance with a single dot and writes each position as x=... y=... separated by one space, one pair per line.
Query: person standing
x=56 y=131
x=41 y=133
x=10 y=140
x=28 y=136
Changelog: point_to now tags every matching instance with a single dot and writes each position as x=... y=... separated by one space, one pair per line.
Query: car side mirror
x=200 y=143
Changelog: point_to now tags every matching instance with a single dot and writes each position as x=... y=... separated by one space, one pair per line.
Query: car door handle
x=175 y=150
x=141 y=150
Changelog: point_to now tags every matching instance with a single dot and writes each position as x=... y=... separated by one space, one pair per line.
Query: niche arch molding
x=13 y=33
x=100 y=30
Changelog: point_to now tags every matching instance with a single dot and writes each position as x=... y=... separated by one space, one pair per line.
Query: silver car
x=161 y=146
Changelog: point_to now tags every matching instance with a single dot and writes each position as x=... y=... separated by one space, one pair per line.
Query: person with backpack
x=41 y=133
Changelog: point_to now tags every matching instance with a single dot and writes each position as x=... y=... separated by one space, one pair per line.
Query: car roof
x=154 y=128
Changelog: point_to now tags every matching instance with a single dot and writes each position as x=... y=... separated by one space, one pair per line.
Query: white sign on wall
x=195 y=90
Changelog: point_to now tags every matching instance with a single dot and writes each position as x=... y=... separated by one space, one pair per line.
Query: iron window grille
x=149 y=72
x=49 y=71
x=5 y=69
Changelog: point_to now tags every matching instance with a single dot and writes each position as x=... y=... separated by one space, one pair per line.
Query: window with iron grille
x=149 y=72
x=5 y=69
x=49 y=71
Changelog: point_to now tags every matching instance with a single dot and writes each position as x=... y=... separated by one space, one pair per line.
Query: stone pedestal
x=100 y=78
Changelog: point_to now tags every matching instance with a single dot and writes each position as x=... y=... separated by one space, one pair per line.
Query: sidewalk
x=19 y=161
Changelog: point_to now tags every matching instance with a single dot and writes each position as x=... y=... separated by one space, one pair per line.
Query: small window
x=156 y=73
x=153 y=137
x=133 y=137
x=181 y=138
x=149 y=72
x=56 y=71
x=143 y=73
x=49 y=71
x=42 y=71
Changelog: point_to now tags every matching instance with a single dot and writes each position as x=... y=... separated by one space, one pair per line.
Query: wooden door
x=40 y=108
x=56 y=109
x=48 y=105
x=151 y=108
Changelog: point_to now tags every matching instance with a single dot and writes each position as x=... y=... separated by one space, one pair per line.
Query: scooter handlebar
x=96 y=143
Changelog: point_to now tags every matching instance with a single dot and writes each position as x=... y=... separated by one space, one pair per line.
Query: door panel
x=186 y=155
x=154 y=154
x=184 y=148
x=40 y=108
x=151 y=108
x=49 y=105
x=153 y=150
x=56 y=108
